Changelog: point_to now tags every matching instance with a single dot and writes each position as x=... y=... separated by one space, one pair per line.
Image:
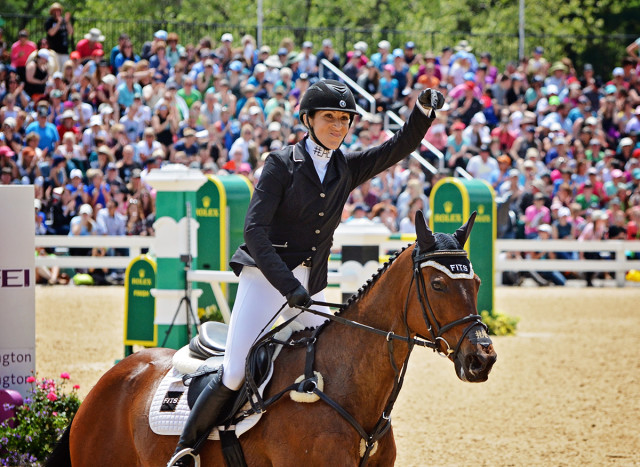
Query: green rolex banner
x=452 y=202
x=221 y=206
x=140 y=305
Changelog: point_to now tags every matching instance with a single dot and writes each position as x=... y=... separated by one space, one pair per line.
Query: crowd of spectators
x=85 y=126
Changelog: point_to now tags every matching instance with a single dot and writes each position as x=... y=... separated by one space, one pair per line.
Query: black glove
x=299 y=297
x=431 y=99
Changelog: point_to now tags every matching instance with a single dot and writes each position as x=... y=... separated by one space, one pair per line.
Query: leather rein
x=436 y=341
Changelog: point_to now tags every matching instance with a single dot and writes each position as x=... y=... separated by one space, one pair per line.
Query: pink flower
x=65 y=375
x=31 y=379
x=76 y=386
x=52 y=396
x=55 y=414
x=51 y=384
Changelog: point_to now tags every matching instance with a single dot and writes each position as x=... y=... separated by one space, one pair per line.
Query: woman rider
x=294 y=211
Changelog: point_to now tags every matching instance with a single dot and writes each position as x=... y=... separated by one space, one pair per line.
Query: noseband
x=460 y=269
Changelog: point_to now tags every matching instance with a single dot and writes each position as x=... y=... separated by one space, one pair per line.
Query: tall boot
x=203 y=417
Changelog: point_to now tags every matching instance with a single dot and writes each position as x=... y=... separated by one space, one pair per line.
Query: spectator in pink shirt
x=20 y=51
x=535 y=215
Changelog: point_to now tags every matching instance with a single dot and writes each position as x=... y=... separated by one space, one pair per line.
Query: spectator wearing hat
x=174 y=49
x=20 y=51
x=535 y=215
x=537 y=64
x=7 y=162
x=468 y=105
x=10 y=136
x=91 y=41
x=97 y=189
x=46 y=131
x=68 y=123
x=483 y=166
x=149 y=47
x=328 y=52
x=456 y=155
x=188 y=144
x=59 y=29
x=308 y=61
x=37 y=75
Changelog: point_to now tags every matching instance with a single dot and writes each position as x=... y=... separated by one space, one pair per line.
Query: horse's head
x=447 y=291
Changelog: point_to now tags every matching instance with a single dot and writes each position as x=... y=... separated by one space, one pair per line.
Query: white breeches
x=256 y=303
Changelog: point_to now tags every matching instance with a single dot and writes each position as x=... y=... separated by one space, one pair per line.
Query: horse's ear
x=426 y=239
x=462 y=234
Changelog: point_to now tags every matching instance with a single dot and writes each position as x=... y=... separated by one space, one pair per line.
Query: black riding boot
x=204 y=414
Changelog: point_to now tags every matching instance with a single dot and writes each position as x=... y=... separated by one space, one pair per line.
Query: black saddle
x=210 y=342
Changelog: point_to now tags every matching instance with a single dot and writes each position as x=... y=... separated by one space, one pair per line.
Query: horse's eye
x=438 y=284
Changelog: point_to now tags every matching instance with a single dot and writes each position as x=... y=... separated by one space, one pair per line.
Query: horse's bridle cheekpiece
x=456 y=265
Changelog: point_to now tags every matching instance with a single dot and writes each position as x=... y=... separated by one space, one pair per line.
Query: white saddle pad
x=169 y=408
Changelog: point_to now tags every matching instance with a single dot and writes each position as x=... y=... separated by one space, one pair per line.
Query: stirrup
x=182 y=454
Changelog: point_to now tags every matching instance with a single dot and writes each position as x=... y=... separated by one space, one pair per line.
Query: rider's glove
x=299 y=297
x=431 y=99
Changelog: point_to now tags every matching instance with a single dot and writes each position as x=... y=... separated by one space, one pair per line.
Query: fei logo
x=15 y=278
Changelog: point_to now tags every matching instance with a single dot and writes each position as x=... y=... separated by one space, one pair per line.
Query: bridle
x=435 y=341
x=437 y=331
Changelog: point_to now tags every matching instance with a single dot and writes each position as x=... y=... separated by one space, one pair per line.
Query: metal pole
x=521 y=31
x=260 y=18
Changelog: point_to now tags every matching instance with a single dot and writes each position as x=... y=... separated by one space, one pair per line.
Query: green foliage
x=39 y=422
x=499 y=324
x=210 y=313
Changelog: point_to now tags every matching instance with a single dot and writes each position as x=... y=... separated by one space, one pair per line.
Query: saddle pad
x=169 y=409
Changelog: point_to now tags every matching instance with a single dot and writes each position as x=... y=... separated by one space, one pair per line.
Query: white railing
x=135 y=244
x=620 y=265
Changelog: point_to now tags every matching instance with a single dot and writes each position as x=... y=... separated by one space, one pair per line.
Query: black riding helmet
x=327 y=95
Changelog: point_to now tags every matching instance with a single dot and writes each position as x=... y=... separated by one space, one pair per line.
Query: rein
x=309 y=383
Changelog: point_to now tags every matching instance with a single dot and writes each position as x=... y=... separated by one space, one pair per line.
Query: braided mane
x=373 y=279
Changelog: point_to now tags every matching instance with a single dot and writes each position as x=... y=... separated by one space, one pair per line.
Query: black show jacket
x=292 y=215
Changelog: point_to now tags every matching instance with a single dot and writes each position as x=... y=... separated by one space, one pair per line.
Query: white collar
x=316 y=150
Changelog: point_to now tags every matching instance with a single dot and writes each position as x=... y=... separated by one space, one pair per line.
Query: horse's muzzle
x=474 y=366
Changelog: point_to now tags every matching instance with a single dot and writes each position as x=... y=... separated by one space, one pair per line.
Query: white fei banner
x=17 y=287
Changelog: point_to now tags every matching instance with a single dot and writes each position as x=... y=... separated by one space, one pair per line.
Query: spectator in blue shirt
x=47 y=131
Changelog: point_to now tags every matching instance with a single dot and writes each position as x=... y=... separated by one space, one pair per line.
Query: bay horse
x=425 y=295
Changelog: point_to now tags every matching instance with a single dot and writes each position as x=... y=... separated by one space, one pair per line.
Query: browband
x=454 y=263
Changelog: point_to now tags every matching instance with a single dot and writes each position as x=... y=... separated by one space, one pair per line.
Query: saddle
x=209 y=346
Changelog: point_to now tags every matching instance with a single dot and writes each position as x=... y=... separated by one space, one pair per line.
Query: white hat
x=626 y=142
x=260 y=68
x=95 y=120
x=254 y=110
x=68 y=114
x=109 y=79
x=86 y=209
x=274 y=126
x=564 y=212
x=361 y=46
x=57 y=74
x=94 y=35
x=618 y=71
x=545 y=228
x=160 y=34
x=307 y=44
x=75 y=173
x=43 y=53
x=479 y=118
x=227 y=37
x=384 y=45
x=552 y=89
x=37 y=204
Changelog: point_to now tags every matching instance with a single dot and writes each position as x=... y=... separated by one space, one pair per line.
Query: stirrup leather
x=182 y=454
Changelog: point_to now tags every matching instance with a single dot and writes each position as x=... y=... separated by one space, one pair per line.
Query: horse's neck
x=360 y=359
